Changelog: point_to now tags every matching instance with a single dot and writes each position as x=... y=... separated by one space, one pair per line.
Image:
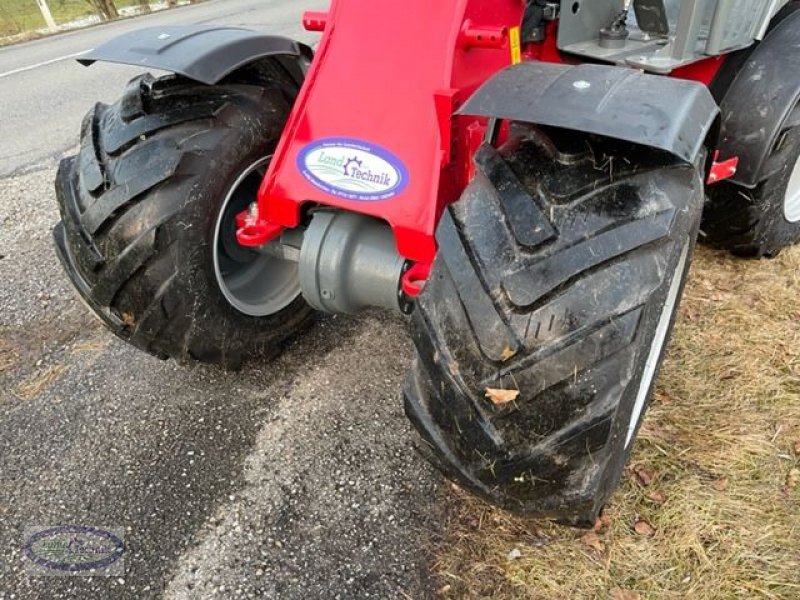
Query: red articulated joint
x=315 y=20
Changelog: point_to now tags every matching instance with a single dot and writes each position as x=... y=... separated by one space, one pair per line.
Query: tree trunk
x=145 y=6
x=105 y=9
x=111 y=8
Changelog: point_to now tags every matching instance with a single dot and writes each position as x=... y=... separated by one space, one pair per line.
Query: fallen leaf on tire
x=792 y=478
x=592 y=540
x=507 y=353
x=500 y=397
x=643 y=476
x=128 y=318
x=644 y=528
x=656 y=497
x=620 y=594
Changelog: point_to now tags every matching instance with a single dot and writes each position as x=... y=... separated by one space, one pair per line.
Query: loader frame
x=406 y=113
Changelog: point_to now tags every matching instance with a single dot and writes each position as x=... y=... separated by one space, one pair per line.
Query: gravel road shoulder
x=291 y=479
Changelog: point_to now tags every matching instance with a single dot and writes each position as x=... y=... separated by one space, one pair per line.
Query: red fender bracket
x=720 y=171
x=315 y=20
x=414 y=279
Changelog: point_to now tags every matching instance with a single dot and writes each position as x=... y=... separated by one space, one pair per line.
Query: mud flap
x=204 y=53
x=673 y=115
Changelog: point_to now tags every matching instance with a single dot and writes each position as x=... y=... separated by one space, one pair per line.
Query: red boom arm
x=372 y=130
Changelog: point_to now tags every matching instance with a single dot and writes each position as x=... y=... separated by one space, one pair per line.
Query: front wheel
x=541 y=329
x=148 y=220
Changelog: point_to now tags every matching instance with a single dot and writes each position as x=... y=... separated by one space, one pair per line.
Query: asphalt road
x=41 y=107
x=290 y=479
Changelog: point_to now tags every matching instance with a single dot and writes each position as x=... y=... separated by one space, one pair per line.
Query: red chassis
x=402 y=100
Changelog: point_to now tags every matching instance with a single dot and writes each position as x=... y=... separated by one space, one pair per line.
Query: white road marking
x=43 y=63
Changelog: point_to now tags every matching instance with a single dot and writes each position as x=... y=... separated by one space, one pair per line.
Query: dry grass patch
x=711 y=504
x=8 y=357
x=40 y=382
x=92 y=345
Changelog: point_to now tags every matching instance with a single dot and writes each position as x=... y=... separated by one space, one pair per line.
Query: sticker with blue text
x=353 y=169
x=69 y=550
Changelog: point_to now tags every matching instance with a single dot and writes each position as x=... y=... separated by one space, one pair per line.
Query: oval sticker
x=353 y=169
x=74 y=548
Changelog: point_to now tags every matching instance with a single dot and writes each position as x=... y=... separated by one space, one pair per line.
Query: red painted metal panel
x=703 y=71
x=384 y=83
x=375 y=113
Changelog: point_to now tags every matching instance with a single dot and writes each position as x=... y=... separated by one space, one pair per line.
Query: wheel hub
x=255 y=283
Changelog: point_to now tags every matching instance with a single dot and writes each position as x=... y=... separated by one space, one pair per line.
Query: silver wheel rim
x=791 y=203
x=254 y=283
x=651 y=365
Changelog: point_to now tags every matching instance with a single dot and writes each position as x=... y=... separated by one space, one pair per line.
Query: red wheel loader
x=526 y=179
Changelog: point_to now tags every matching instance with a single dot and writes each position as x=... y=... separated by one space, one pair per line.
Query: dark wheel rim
x=254 y=283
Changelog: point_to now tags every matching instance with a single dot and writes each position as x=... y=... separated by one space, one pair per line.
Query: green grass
x=23 y=16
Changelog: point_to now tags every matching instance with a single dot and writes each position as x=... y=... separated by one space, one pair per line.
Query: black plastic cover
x=200 y=52
x=617 y=102
x=760 y=99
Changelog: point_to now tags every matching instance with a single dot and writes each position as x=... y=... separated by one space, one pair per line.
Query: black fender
x=759 y=101
x=673 y=115
x=201 y=52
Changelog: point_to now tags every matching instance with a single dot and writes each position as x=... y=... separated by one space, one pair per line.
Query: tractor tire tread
x=554 y=305
x=126 y=203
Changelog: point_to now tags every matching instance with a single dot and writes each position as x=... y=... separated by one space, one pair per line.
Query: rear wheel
x=148 y=220
x=541 y=329
x=759 y=222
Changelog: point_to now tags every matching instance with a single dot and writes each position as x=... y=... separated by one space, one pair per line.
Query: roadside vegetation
x=22 y=19
x=710 y=504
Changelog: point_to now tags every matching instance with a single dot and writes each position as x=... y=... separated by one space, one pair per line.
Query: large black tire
x=759 y=222
x=139 y=206
x=558 y=275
